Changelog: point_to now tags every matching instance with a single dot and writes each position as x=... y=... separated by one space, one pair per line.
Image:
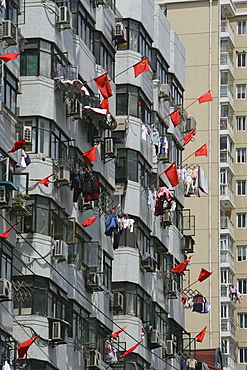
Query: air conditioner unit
x=190 y=124
x=64 y=17
x=120 y=33
x=61 y=250
x=117 y=300
x=5 y=197
x=155 y=337
x=75 y=109
x=63 y=177
x=170 y=348
x=149 y=264
x=27 y=134
x=122 y=124
x=94 y=360
x=166 y=219
x=110 y=150
x=165 y=156
x=188 y=244
x=94 y=282
x=165 y=91
x=59 y=331
x=5 y=290
x=9 y=32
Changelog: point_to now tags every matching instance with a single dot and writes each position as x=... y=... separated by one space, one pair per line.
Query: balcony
x=226 y=158
x=227 y=31
x=228 y=361
x=226 y=125
x=226 y=94
x=226 y=259
x=226 y=197
x=226 y=62
x=228 y=8
x=229 y=326
x=226 y=226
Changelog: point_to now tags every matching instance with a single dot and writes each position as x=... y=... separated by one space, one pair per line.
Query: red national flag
x=23 y=347
x=141 y=66
x=200 y=336
x=45 y=181
x=17 y=145
x=104 y=85
x=90 y=155
x=89 y=221
x=105 y=104
x=204 y=274
x=188 y=137
x=10 y=56
x=172 y=174
x=115 y=335
x=181 y=267
x=126 y=353
x=6 y=233
x=175 y=117
x=203 y=150
x=205 y=97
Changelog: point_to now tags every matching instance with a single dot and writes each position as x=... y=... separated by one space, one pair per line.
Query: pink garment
x=233 y=289
x=164 y=191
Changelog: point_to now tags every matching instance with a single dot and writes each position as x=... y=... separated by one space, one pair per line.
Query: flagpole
x=190 y=285
x=74 y=235
x=33 y=185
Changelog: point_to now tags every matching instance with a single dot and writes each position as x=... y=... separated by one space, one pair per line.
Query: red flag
x=126 y=353
x=175 y=117
x=188 y=137
x=23 y=347
x=204 y=274
x=6 y=233
x=205 y=97
x=89 y=221
x=115 y=335
x=17 y=145
x=203 y=150
x=45 y=181
x=104 y=85
x=200 y=336
x=105 y=104
x=10 y=56
x=90 y=155
x=141 y=66
x=172 y=174
x=181 y=267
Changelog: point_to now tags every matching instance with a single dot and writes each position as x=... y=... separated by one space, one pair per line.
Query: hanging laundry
x=110 y=353
x=111 y=224
x=202 y=181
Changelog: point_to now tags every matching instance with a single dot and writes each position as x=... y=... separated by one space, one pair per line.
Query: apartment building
x=66 y=275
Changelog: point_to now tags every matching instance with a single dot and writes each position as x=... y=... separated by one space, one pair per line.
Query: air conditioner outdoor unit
x=61 y=250
x=63 y=177
x=94 y=359
x=190 y=124
x=165 y=91
x=166 y=219
x=9 y=32
x=59 y=331
x=170 y=348
x=120 y=33
x=64 y=17
x=110 y=148
x=5 y=290
x=122 y=124
x=117 y=300
x=149 y=264
x=188 y=244
x=155 y=337
x=75 y=109
x=5 y=197
x=27 y=134
x=94 y=282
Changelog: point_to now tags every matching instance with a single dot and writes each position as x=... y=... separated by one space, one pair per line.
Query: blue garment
x=111 y=224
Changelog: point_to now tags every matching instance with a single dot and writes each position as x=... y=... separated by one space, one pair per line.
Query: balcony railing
x=226 y=27
x=226 y=61
x=225 y=223
x=226 y=92
x=226 y=157
x=228 y=325
x=226 y=124
x=226 y=192
x=226 y=256
x=228 y=361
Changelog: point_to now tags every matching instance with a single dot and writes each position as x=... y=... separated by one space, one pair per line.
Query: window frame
x=241 y=253
x=241 y=28
x=241 y=91
x=240 y=155
x=241 y=59
x=241 y=219
x=242 y=286
x=241 y=123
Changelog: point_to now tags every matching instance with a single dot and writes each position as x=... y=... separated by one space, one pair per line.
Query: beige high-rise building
x=214 y=36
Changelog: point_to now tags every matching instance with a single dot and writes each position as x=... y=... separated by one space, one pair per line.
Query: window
x=241 y=155
x=241 y=123
x=242 y=320
x=242 y=253
x=241 y=28
x=226 y=276
x=242 y=355
x=241 y=220
x=5 y=261
x=10 y=90
x=104 y=54
x=241 y=187
x=226 y=243
x=241 y=91
x=241 y=59
x=84 y=26
x=11 y=11
x=224 y=346
x=36 y=59
x=107 y=271
x=160 y=67
x=242 y=286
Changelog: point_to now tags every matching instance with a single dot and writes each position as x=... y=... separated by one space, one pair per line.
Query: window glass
x=241 y=123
